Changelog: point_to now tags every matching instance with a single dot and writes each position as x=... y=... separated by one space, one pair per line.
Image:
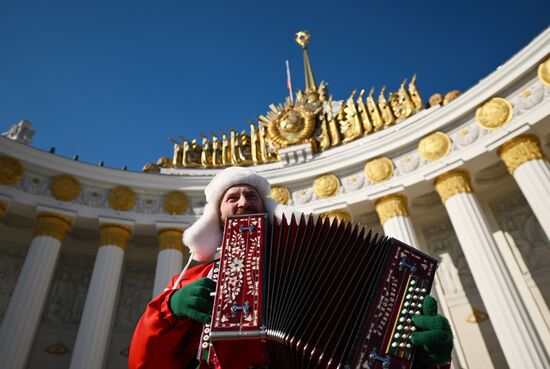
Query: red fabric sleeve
x=162 y=340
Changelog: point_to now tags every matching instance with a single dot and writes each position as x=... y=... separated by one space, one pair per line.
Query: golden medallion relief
x=379 y=169
x=544 y=72
x=292 y=126
x=65 y=187
x=435 y=146
x=326 y=185
x=175 y=202
x=494 y=113
x=11 y=170
x=122 y=198
x=280 y=194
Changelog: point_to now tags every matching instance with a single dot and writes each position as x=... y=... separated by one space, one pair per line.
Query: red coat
x=162 y=340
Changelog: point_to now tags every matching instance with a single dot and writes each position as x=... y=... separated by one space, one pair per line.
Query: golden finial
x=302 y=38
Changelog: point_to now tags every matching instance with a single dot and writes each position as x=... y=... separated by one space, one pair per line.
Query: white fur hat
x=205 y=235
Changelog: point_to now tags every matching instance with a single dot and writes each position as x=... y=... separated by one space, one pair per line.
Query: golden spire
x=302 y=39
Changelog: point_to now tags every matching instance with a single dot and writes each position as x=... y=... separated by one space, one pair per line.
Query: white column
x=526 y=162
x=513 y=327
x=170 y=257
x=27 y=302
x=93 y=336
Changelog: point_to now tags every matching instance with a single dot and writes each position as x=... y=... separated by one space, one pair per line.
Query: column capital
x=114 y=235
x=453 y=182
x=391 y=206
x=170 y=238
x=519 y=150
x=52 y=225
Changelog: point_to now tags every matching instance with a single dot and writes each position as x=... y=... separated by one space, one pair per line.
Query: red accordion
x=306 y=293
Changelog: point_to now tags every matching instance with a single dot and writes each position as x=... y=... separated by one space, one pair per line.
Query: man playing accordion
x=169 y=332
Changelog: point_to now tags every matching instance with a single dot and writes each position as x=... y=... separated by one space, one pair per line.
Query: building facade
x=84 y=248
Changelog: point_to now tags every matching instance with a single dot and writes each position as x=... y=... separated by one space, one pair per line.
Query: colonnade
x=518 y=337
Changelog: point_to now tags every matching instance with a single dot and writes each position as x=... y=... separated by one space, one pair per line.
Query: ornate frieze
x=52 y=225
x=408 y=162
x=451 y=183
x=114 y=235
x=122 y=198
x=280 y=194
x=35 y=183
x=302 y=196
x=148 y=204
x=435 y=146
x=170 y=238
x=65 y=187
x=494 y=113
x=379 y=169
x=353 y=182
x=11 y=170
x=94 y=197
x=175 y=202
x=467 y=135
x=391 y=206
x=519 y=150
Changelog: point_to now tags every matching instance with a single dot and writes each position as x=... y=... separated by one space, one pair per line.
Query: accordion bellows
x=306 y=293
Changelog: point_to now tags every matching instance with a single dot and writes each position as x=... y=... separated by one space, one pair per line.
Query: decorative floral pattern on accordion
x=242 y=265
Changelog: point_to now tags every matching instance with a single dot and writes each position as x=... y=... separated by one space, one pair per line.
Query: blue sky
x=113 y=80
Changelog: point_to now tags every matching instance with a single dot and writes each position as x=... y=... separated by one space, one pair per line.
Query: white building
x=83 y=248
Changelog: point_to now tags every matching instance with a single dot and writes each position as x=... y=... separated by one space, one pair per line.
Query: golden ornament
x=280 y=194
x=451 y=183
x=519 y=150
x=11 y=170
x=57 y=348
x=494 y=113
x=340 y=215
x=378 y=170
x=435 y=146
x=450 y=96
x=175 y=203
x=391 y=206
x=122 y=198
x=52 y=225
x=477 y=316
x=544 y=72
x=171 y=238
x=114 y=235
x=435 y=99
x=326 y=185
x=65 y=187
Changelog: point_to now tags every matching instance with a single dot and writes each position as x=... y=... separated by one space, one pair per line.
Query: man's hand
x=194 y=300
x=434 y=339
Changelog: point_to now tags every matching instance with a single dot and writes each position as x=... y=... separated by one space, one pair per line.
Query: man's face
x=240 y=199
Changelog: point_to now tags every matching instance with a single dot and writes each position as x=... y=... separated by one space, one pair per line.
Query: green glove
x=194 y=300
x=434 y=338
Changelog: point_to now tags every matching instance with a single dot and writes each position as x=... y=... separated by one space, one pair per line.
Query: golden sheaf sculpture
x=175 y=202
x=379 y=169
x=122 y=198
x=544 y=72
x=326 y=185
x=435 y=146
x=280 y=194
x=11 y=170
x=65 y=187
x=494 y=113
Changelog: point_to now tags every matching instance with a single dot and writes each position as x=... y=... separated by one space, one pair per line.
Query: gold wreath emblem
x=292 y=127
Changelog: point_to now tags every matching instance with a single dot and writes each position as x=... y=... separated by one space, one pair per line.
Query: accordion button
x=394 y=344
x=415 y=297
x=411 y=289
x=205 y=345
x=411 y=311
x=408 y=345
x=399 y=327
x=413 y=304
x=406 y=304
x=413 y=328
x=417 y=312
x=408 y=296
x=407 y=328
x=206 y=330
x=409 y=320
x=401 y=344
x=401 y=319
x=404 y=336
x=419 y=305
x=413 y=282
x=404 y=311
x=423 y=290
x=397 y=335
x=421 y=298
x=206 y=337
